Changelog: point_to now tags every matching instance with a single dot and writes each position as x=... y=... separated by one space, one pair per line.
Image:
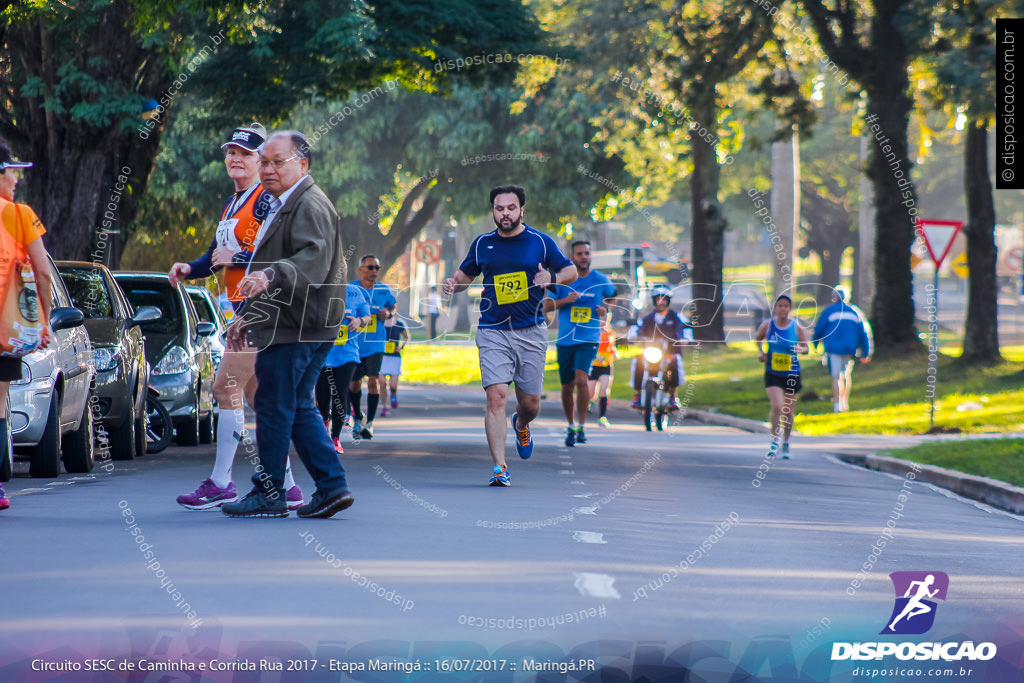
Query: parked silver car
x=51 y=412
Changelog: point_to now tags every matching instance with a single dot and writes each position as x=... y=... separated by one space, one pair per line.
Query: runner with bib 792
x=517 y=263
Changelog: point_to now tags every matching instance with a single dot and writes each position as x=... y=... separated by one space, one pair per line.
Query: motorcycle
x=654 y=399
x=159 y=426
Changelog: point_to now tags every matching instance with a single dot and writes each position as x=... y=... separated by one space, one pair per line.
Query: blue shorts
x=573 y=358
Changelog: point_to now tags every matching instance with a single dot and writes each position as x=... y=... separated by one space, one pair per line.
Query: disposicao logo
x=913 y=613
x=916 y=595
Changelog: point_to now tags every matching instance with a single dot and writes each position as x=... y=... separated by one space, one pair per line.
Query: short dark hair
x=362 y=259
x=519 y=192
x=299 y=142
x=572 y=247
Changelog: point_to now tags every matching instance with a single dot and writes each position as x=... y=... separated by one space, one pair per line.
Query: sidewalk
x=863 y=451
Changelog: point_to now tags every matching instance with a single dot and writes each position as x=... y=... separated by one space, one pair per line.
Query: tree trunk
x=981 y=331
x=361 y=238
x=830 y=261
x=895 y=207
x=707 y=231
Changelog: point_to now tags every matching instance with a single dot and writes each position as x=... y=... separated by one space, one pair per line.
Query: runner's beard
x=514 y=225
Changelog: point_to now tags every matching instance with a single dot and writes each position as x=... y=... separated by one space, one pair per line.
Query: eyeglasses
x=277 y=163
x=372 y=267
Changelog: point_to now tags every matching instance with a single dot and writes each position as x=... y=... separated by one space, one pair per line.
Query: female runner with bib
x=786 y=338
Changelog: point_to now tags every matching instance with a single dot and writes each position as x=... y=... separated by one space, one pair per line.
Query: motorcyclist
x=668 y=329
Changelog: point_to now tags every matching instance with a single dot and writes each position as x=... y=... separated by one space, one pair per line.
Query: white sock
x=230 y=426
x=289 y=480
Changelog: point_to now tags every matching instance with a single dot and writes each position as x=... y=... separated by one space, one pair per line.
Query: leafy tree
x=76 y=76
x=963 y=63
x=875 y=42
x=663 y=69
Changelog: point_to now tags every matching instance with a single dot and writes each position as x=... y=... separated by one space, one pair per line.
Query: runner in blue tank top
x=785 y=340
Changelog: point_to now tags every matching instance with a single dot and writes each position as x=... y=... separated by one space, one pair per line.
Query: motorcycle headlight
x=175 y=362
x=652 y=354
x=105 y=357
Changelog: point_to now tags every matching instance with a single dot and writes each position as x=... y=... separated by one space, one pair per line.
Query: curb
x=721 y=419
x=995 y=493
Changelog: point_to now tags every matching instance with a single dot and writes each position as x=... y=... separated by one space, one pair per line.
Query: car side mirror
x=206 y=329
x=146 y=314
x=65 y=318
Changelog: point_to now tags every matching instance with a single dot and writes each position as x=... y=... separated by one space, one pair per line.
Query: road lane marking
x=588 y=537
x=596 y=585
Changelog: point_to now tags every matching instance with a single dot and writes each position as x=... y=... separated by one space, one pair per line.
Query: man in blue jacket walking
x=846 y=334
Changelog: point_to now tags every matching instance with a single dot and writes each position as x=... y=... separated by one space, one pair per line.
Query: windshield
x=144 y=294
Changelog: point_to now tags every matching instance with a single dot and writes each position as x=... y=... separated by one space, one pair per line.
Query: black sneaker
x=580 y=436
x=570 y=438
x=257 y=504
x=324 y=504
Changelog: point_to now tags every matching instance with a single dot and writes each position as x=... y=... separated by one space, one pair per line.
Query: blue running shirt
x=346 y=346
x=782 y=341
x=508 y=264
x=578 y=322
x=373 y=337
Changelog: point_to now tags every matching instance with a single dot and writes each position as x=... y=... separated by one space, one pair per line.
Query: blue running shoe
x=523 y=438
x=500 y=477
x=785 y=450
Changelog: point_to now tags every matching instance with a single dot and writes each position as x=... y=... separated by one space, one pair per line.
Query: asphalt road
x=626 y=550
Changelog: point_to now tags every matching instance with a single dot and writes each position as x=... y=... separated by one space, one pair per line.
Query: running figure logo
x=916 y=592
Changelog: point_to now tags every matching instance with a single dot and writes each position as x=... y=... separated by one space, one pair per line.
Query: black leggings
x=332 y=394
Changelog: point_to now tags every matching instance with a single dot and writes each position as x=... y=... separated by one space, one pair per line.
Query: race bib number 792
x=510 y=288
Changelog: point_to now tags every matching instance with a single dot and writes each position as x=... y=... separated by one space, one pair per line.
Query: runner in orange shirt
x=25 y=227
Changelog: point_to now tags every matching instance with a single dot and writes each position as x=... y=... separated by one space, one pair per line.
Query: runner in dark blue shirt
x=518 y=263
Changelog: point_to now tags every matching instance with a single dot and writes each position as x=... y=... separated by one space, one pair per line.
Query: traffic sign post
x=938 y=239
x=428 y=251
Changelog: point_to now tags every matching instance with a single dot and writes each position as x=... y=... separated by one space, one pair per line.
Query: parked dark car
x=178 y=350
x=119 y=354
x=51 y=414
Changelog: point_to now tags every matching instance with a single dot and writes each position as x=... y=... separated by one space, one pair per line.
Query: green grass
x=889 y=397
x=1001 y=459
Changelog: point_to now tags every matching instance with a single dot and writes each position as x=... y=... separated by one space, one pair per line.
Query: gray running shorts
x=513 y=355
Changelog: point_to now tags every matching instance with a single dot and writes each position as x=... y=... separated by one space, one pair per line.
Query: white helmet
x=661 y=290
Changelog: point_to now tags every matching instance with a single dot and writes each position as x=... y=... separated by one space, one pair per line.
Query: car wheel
x=187 y=431
x=80 y=446
x=7 y=454
x=140 y=433
x=159 y=428
x=45 y=456
x=123 y=443
x=206 y=429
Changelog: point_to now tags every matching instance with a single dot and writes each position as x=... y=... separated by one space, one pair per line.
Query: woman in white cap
x=231 y=249
x=24 y=226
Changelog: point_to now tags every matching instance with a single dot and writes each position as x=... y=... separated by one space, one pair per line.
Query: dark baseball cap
x=250 y=137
